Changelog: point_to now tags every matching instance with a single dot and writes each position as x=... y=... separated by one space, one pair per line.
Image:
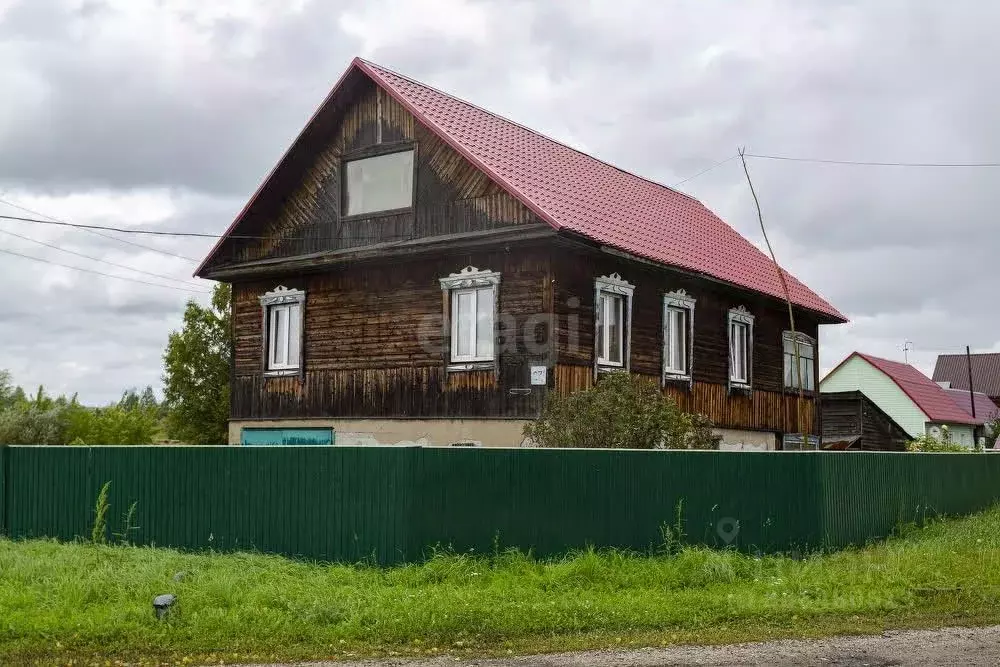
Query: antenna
x=907 y=346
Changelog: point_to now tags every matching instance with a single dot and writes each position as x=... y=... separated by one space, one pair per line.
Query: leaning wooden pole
x=788 y=300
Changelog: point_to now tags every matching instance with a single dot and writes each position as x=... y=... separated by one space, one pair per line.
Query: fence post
x=4 y=489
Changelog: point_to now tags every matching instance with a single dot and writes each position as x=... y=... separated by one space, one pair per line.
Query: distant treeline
x=41 y=419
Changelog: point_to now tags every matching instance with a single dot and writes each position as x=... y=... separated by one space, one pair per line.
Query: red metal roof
x=986 y=409
x=576 y=192
x=924 y=392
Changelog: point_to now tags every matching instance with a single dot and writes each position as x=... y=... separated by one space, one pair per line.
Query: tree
x=624 y=412
x=196 y=372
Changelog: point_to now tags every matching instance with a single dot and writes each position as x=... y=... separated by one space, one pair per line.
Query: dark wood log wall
x=769 y=406
x=374 y=343
x=451 y=195
x=849 y=414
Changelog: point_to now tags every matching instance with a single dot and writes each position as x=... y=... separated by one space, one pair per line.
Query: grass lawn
x=93 y=603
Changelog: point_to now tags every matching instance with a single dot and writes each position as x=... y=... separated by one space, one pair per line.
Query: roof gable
x=578 y=193
x=926 y=394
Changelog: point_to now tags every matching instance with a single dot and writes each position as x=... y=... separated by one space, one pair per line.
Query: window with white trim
x=740 y=347
x=612 y=321
x=473 y=314
x=283 y=329
x=378 y=183
x=807 y=360
x=678 y=335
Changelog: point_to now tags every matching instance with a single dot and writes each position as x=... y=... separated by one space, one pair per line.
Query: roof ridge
x=529 y=129
x=971 y=354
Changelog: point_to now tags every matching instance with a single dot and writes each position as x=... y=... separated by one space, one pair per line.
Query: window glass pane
x=738 y=351
x=280 y=338
x=380 y=183
x=601 y=320
x=465 y=302
x=294 y=312
x=680 y=340
x=484 y=322
x=615 y=329
x=668 y=340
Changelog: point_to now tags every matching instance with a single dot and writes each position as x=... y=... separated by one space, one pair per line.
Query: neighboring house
x=954 y=370
x=914 y=402
x=985 y=409
x=852 y=421
x=418 y=269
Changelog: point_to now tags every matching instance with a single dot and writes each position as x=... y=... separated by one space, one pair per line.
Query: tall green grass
x=94 y=601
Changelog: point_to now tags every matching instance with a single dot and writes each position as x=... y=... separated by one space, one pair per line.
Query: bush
x=927 y=443
x=622 y=412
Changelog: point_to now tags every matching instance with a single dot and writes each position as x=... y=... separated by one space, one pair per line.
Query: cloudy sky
x=165 y=114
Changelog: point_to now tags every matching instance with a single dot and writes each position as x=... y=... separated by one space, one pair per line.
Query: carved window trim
x=678 y=300
x=613 y=285
x=803 y=340
x=469 y=279
x=741 y=316
x=282 y=296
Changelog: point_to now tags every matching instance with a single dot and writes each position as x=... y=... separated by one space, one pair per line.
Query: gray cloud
x=116 y=99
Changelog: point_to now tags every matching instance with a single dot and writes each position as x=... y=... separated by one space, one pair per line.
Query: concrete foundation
x=739 y=441
x=439 y=432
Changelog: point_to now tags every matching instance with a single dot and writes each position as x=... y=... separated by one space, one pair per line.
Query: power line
x=789 y=158
x=101 y=273
x=97 y=233
x=97 y=259
x=201 y=235
x=706 y=170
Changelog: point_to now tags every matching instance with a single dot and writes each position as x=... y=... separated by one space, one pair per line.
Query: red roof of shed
x=574 y=191
x=927 y=394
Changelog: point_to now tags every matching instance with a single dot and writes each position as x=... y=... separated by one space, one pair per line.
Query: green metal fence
x=392 y=504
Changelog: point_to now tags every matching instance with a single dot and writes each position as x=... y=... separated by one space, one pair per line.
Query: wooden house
x=418 y=269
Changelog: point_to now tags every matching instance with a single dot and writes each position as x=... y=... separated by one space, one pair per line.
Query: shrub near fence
x=392 y=504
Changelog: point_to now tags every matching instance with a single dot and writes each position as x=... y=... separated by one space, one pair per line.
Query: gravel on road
x=949 y=646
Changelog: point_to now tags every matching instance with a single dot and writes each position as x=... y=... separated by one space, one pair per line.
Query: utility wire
x=200 y=235
x=706 y=170
x=97 y=233
x=101 y=273
x=98 y=259
x=789 y=158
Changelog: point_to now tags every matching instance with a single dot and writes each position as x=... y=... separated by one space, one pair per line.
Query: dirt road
x=950 y=646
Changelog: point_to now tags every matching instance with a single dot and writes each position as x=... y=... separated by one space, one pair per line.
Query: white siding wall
x=961 y=434
x=858 y=375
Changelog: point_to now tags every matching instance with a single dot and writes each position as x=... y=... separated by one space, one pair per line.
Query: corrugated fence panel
x=391 y=505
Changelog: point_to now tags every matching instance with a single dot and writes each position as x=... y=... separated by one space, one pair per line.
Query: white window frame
x=803 y=339
x=470 y=280
x=283 y=299
x=741 y=316
x=612 y=285
x=678 y=300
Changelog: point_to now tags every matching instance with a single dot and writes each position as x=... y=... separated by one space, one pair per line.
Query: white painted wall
x=961 y=434
x=858 y=375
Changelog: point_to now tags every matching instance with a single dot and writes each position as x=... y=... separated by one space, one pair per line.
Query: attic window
x=379 y=183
